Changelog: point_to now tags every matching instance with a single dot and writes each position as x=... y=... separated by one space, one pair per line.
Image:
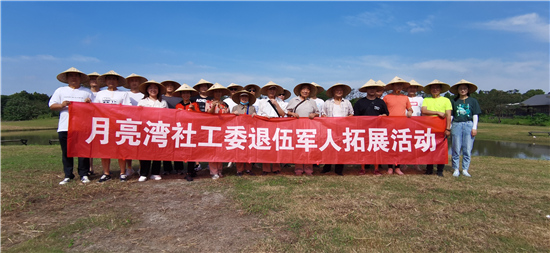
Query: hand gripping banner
x=141 y=133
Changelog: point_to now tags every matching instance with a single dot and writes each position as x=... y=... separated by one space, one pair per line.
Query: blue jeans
x=461 y=133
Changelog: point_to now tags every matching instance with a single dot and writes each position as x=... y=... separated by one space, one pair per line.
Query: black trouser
x=338 y=168
x=146 y=165
x=167 y=165
x=430 y=167
x=68 y=162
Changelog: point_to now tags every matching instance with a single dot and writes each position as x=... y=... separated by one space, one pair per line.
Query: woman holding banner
x=152 y=92
x=216 y=106
x=271 y=107
x=303 y=106
x=186 y=93
x=244 y=101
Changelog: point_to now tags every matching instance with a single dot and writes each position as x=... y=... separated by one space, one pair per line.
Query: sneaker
x=440 y=173
x=156 y=177
x=197 y=167
x=215 y=176
x=465 y=173
x=192 y=174
x=188 y=177
x=129 y=172
x=250 y=173
x=104 y=178
x=362 y=172
x=65 y=181
x=165 y=173
x=429 y=172
x=398 y=172
x=123 y=178
x=377 y=173
x=85 y=179
x=390 y=171
x=239 y=174
x=220 y=174
x=276 y=172
x=142 y=179
x=456 y=173
x=265 y=173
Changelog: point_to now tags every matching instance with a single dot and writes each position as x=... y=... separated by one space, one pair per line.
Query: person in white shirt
x=416 y=103
x=319 y=102
x=152 y=98
x=94 y=88
x=254 y=89
x=132 y=83
x=60 y=101
x=112 y=96
x=229 y=101
x=271 y=107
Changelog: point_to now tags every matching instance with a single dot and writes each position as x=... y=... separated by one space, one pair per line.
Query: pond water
x=481 y=147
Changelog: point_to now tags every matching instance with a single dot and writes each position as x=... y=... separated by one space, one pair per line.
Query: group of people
x=461 y=114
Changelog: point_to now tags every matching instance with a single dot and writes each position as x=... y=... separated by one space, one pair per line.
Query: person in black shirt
x=202 y=86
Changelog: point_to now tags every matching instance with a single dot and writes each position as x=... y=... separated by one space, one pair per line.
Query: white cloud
x=377 y=17
x=81 y=58
x=89 y=39
x=42 y=57
x=421 y=26
x=530 y=23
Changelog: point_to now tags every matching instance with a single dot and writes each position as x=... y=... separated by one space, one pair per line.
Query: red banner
x=141 y=133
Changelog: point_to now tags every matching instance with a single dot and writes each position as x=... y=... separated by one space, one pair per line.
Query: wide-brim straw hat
x=143 y=87
x=319 y=87
x=444 y=87
x=287 y=94
x=257 y=93
x=62 y=77
x=202 y=81
x=87 y=84
x=312 y=89
x=471 y=87
x=217 y=86
x=176 y=84
x=236 y=97
x=140 y=78
x=397 y=80
x=266 y=87
x=415 y=83
x=101 y=79
x=346 y=88
x=371 y=83
x=185 y=87
x=234 y=85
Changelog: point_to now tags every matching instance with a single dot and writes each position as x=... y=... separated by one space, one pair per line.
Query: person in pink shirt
x=398 y=105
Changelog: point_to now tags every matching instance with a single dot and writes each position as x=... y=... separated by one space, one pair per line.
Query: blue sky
x=501 y=45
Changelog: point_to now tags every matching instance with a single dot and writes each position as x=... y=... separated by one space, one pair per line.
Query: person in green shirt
x=464 y=124
x=438 y=106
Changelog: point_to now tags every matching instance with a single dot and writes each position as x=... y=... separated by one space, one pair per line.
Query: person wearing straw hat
x=271 y=107
x=337 y=106
x=464 y=125
x=244 y=101
x=380 y=92
x=441 y=107
x=186 y=93
x=416 y=104
x=60 y=101
x=94 y=88
x=132 y=83
x=216 y=106
x=202 y=87
x=398 y=105
x=284 y=96
x=318 y=101
x=255 y=90
x=152 y=97
x=229 y=101
x=112 y=96
x=172 y=98
x=303 y=106
x=371 y=105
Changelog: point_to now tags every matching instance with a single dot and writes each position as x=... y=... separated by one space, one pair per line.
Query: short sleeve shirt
x=171 y=101
x=440 y=104
x=397 y=104
x=464 y=110
x=367 y=107
x=416 y=104
x=135 y=97
x=244 y=109
x=201 y=101
x=302 y=109
x=112 y=97
x=148 y=102
x=266 y=110
x=68 y=94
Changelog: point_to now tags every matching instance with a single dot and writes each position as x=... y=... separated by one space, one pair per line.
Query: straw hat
x=381 y=83
x=298 y=88
x=234 y=85
x=471 y=87
x=444 y=87
x=414 y=83
x=256 y=87
x=141 y=80
x=287 y=94
x=87 y=84
x=372 y=83
x=237 y=97
x=217 y=86
x=101 y=79
x=396 y=80
x=346 y=88
x=176 y=84
x=202 y=81
x=185 y=87
x=143 y=87
x=319 y=88
x=62 y=77
x=266 y=87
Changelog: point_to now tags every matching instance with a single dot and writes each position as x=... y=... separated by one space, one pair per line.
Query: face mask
x=244 y=103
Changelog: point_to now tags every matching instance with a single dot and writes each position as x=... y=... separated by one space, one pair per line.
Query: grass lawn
x=502 y=208
x=512 y=133
x=37 y=124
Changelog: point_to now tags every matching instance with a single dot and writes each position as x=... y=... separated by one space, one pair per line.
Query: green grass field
x=37 y=124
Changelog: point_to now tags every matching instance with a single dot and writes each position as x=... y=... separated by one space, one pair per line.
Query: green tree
x=531 y=93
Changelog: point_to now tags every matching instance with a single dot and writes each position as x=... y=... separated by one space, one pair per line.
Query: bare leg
x=122 y=165
x=106 y=164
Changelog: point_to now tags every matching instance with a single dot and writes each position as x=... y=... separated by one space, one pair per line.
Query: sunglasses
x=233 y=89
x=281 y=94
x=251 y=90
